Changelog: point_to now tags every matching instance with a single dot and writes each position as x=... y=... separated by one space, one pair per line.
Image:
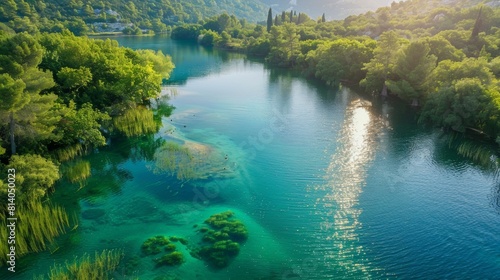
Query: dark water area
x=330 y=184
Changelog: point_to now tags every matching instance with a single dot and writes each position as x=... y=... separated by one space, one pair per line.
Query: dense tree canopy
x=58 y=91
x=35 y=175
x=101 y=72
x=413 y=65
x=82 y=17
x=341 y=60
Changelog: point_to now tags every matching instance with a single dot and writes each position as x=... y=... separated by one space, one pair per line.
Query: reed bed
x=136 y=122
x=38 y=224
x=100 y=267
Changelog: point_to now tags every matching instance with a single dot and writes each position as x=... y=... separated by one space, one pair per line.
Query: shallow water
x=329 y=185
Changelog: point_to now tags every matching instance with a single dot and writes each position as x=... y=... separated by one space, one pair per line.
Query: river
x=329 y=183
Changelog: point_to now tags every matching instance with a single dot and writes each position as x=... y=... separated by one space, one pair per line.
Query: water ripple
x=339 y=207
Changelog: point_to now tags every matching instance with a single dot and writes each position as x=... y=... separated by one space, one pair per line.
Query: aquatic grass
x=69 y=152
x=38 y=224
x=135 y=122
x=175 y=159
x=77 y=171
x=478 y=151
x=190 y=161
x=85 y=268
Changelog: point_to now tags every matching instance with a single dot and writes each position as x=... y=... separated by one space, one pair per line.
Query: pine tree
x=269 y=20
x=291 y=16
x=283 y=17
x=323 y=18
x=276 y=23
x=23 y=111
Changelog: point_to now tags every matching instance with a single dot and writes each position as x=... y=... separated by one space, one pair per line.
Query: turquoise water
x=330 y=184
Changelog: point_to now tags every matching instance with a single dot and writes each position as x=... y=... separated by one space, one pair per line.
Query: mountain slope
x=140 y=12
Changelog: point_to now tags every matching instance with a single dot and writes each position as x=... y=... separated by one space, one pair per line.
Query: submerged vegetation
x=220 y=243
x=190 y=160
x=86 y=268
x=221 y=240
x=170 y=259
x=175 y=159
x=476 y=149
x=136 y=122
x=157 y=244
x=77 y=171
x=39 y=224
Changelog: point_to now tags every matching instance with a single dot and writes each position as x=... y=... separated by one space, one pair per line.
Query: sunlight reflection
x=346 y=176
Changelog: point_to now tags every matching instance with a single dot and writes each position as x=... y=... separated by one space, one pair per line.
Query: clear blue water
x=329 y=185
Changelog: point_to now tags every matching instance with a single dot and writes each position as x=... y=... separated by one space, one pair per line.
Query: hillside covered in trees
x=137 y=17
x=82 y=17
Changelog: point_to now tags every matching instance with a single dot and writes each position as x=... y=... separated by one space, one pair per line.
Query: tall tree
x=269 y=20
x=285 y=46
x=11 y=94
x=24 y=111
x=323 y=18
x=381 y=65
x=413 y=66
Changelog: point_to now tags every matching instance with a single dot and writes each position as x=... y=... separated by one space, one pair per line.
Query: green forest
x=64 y=94
x=84 y=17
